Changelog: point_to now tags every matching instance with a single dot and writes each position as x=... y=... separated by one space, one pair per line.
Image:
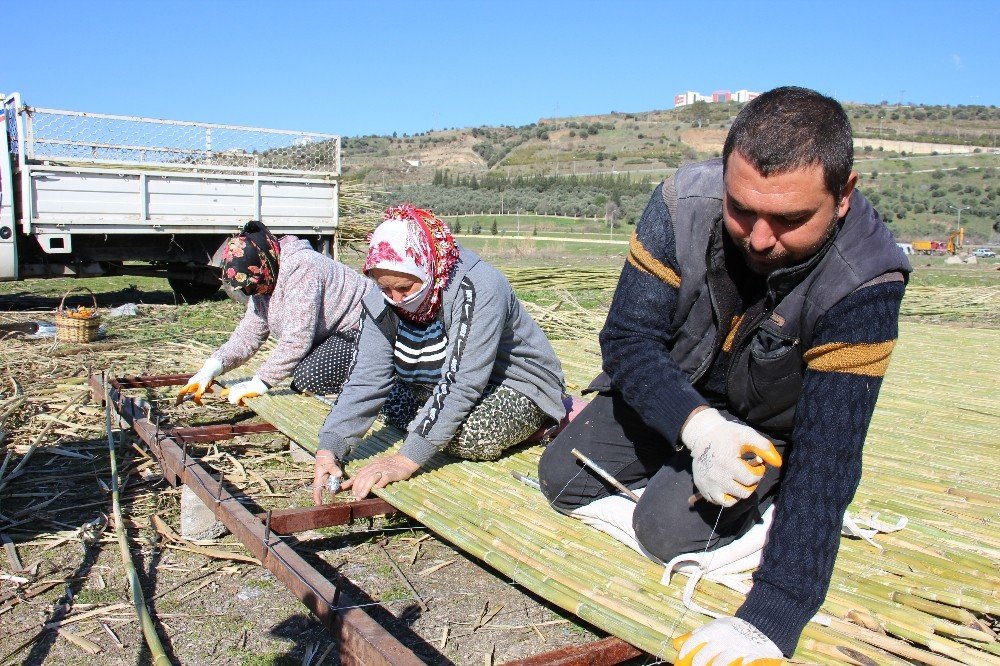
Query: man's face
x=782 y=219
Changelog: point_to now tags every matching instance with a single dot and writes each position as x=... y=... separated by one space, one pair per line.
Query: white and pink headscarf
x=415 y=242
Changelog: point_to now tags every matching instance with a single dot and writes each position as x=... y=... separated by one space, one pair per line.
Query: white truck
x=86 y=194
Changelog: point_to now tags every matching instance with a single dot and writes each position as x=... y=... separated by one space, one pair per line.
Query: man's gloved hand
x=728 y=641
x=201 y=382
x=728 y=458
x=249 y=389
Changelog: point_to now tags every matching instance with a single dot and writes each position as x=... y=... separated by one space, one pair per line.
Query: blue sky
x=378 y=67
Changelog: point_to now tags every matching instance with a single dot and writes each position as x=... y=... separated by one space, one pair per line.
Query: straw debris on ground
x=68 y=600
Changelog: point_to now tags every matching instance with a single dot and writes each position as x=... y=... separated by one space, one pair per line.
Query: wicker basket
x=74 y=326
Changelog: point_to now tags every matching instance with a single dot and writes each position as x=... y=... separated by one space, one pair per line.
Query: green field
x=526 y=224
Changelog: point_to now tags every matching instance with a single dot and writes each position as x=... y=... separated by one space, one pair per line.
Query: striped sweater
x=419 y=351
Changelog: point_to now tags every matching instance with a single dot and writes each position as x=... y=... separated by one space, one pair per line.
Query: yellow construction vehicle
x=952 y=246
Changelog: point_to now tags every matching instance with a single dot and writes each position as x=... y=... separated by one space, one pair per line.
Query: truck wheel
x=192 y=291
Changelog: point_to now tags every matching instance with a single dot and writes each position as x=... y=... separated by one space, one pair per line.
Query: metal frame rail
x=360 y=638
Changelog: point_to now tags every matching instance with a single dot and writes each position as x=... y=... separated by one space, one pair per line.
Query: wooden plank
x=290 y=521
x=605 y=652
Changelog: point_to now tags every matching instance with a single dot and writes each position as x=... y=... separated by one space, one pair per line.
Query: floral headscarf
x=250 y=260
x=413 y=241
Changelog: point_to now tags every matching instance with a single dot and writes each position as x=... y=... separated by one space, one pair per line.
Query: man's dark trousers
x=612 y=434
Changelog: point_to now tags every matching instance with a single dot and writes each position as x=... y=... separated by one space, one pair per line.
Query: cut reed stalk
x=158 y=654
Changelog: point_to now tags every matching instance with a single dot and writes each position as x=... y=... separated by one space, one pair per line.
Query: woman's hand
x=326 y=466
x=380 y=473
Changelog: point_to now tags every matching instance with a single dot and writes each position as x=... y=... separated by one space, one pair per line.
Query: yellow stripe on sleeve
x=640 y=257
x=859 y=358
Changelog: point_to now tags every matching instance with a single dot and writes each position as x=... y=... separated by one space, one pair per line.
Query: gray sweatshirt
x=314 y=297
x=491 y=340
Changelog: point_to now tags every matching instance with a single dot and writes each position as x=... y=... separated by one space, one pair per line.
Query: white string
x=708 y=545
x=683 y=614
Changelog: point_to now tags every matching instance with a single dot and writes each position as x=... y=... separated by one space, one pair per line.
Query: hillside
x=900 y=151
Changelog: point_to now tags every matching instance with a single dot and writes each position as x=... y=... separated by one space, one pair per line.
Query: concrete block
x=198 y=520
x=299 y=454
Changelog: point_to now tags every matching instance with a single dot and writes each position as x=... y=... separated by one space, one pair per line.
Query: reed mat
x=926 y=594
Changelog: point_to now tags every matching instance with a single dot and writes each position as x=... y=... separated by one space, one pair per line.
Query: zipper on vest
x=743 y=334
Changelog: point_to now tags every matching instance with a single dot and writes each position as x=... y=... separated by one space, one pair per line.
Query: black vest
x=764 y=378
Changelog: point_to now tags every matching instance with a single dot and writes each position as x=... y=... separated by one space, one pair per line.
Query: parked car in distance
x=983 y=252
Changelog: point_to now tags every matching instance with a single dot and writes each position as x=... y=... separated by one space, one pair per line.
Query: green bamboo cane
x=156 y=650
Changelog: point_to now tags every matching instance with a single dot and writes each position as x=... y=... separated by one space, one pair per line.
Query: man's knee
x=669 y=527
x=658 y=527
x=556 y=471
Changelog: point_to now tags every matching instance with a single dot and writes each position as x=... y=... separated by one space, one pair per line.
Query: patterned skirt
x=500 y=419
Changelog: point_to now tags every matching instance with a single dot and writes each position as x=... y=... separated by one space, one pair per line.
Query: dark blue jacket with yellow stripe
x=799 y=355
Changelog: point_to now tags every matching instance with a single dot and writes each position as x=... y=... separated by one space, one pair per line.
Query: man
x=743 y=354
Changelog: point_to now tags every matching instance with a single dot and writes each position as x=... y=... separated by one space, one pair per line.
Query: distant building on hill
x=744 y=96
x=685 y=98
x=690 y=97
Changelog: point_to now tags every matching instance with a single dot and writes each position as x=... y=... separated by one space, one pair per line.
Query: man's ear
x=845 y=198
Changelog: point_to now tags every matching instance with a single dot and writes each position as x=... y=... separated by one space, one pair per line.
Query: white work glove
x=248 y=389
x=201 y=382
x=728 y=641
x=727 y=458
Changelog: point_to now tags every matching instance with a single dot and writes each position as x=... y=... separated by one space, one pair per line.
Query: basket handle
x=70 y=291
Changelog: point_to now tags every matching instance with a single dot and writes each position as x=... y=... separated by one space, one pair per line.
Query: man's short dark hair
x=791 y=128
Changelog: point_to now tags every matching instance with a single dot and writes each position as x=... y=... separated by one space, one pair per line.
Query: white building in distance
x=690 y=97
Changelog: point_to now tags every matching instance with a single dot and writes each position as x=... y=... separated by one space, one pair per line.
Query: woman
x=447 y=352
x=309 y=302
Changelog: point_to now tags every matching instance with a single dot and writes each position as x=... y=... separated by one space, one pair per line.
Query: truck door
x=8 y=237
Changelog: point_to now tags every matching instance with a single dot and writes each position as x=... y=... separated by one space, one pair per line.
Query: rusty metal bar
x=149 y=381
x=215 y=433
x=290 y=521
x=360 y=638
x=605 y=652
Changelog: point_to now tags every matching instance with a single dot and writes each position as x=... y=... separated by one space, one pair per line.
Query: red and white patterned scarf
x=415 y=242
x=250 y=260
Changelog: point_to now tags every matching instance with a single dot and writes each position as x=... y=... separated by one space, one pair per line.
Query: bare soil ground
x=704 y=140
x=64 y=598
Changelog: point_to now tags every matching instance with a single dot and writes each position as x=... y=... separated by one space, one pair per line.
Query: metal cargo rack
x=360 y=638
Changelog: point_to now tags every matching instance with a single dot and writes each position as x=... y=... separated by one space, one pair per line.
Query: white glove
x=248 y=389
x=728 y=641
x=201 y=382
x=727 y=458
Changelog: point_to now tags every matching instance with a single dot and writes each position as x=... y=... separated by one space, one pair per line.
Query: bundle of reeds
x=359 y=212
x=939 y=301
x=926 y=594
x=567 y=279
x=565 y=318
x=951 y=302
